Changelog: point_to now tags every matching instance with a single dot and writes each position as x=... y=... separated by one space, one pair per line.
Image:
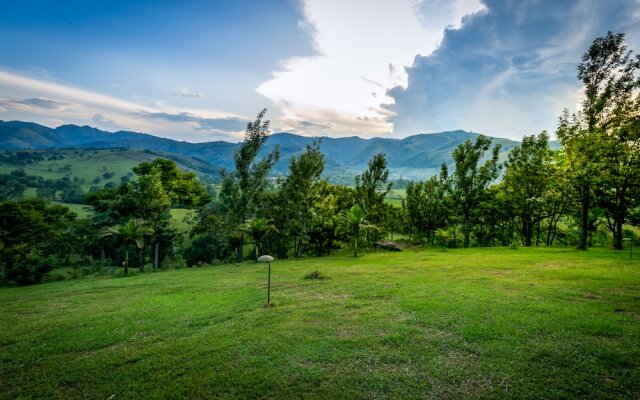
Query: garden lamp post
x=267 y=259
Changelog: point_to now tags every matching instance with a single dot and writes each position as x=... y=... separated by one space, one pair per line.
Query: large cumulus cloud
x=508 y=70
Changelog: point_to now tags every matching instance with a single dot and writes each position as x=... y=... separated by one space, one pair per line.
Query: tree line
x=535 y=196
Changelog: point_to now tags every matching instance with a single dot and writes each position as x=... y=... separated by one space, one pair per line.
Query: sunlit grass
x=491 y=323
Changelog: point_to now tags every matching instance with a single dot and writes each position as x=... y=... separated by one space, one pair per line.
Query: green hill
x=414 y=157
x=96 y=167
x=478 y=323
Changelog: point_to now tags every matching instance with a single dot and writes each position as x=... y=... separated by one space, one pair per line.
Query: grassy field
x=395 y=197
x=477 y=323
x=87 y=164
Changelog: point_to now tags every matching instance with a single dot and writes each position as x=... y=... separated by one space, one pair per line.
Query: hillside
x=413 y=157
x=486 y=323
x=96 y=167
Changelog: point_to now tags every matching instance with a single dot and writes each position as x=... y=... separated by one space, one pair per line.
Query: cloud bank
x=53 y=103
x=508 y=70
x=363 y=47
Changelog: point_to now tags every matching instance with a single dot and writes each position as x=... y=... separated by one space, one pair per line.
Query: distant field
x=475 y=323
x=178 y=216
x=82 y=210
x=87 y=164
x=395 y=197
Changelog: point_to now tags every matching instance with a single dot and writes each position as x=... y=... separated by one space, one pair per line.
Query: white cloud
x=508 y=71
x=185 y=92
x=43 y=101
x=363 y=47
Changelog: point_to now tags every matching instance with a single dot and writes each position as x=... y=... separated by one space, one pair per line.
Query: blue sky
x=198 y=70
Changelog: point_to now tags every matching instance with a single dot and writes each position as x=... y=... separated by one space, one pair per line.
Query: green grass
x=395 y=197
x=477 y=323
x=87 y=164
x=178 y=219
x=82 y=210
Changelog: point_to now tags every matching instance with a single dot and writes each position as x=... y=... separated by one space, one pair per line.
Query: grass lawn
x=477 y=323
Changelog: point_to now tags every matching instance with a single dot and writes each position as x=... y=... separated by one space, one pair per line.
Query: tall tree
x=301 y=189
x=528 y=173
x=601 y=141
x=371 y=189
x=241 y=189
x=470 y=180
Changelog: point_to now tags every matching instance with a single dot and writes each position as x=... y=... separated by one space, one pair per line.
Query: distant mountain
x=413 y=157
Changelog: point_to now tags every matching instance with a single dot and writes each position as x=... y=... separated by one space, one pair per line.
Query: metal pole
x=269 y=286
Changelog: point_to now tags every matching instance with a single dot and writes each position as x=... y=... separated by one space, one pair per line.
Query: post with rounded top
x=267 y=259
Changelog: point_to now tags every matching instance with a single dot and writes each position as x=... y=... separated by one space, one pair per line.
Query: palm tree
x=131 y=233
x=258 y=229
x=355 y=222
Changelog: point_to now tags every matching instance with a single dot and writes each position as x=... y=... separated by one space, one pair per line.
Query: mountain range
x=413 y=157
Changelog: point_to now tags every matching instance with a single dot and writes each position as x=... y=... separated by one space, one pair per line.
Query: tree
x=528 y=174
x=183 y=189
x=30 y=232
x=130 y=234
x=354 y=224
x=160 y=185
x=372 y=187
x=601 y=141
x=471 y=180
x=426 y=206
x=300 y=191
x=241 y=189
x=258 y=229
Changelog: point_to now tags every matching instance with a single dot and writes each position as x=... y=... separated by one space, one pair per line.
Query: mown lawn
x=477 y=323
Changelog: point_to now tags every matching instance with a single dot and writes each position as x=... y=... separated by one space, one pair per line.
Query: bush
x=176 y=263
x=315 y=275
x=31 y=269
x=513 y=246
x=52 y=277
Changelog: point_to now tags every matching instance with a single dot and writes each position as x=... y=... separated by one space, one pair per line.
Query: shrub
x=31 y=269
x=513 y=246
x=315 y=275
x=53 y=277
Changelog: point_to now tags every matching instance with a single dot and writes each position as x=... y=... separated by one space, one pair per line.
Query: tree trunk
x=466 y=230
x=584 y=225
x=155 y=260
x=619 y=217
x=2 y=271
x=617 y=236
x=126 y=262
x=355 y=247
x=141 y=259
x=527 y=230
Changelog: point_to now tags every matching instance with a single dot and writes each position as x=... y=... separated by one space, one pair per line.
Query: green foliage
x=241 y=189
x=600 y=141
x=31 y=231
x=300 y=191
x=470 y=180
x=372 y=187
x=315 y=275
x=129 y=235
x=354 y=224
x=529 y=176
x=30 y=269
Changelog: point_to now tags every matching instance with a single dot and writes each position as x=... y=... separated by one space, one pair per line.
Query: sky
x=200 y=70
